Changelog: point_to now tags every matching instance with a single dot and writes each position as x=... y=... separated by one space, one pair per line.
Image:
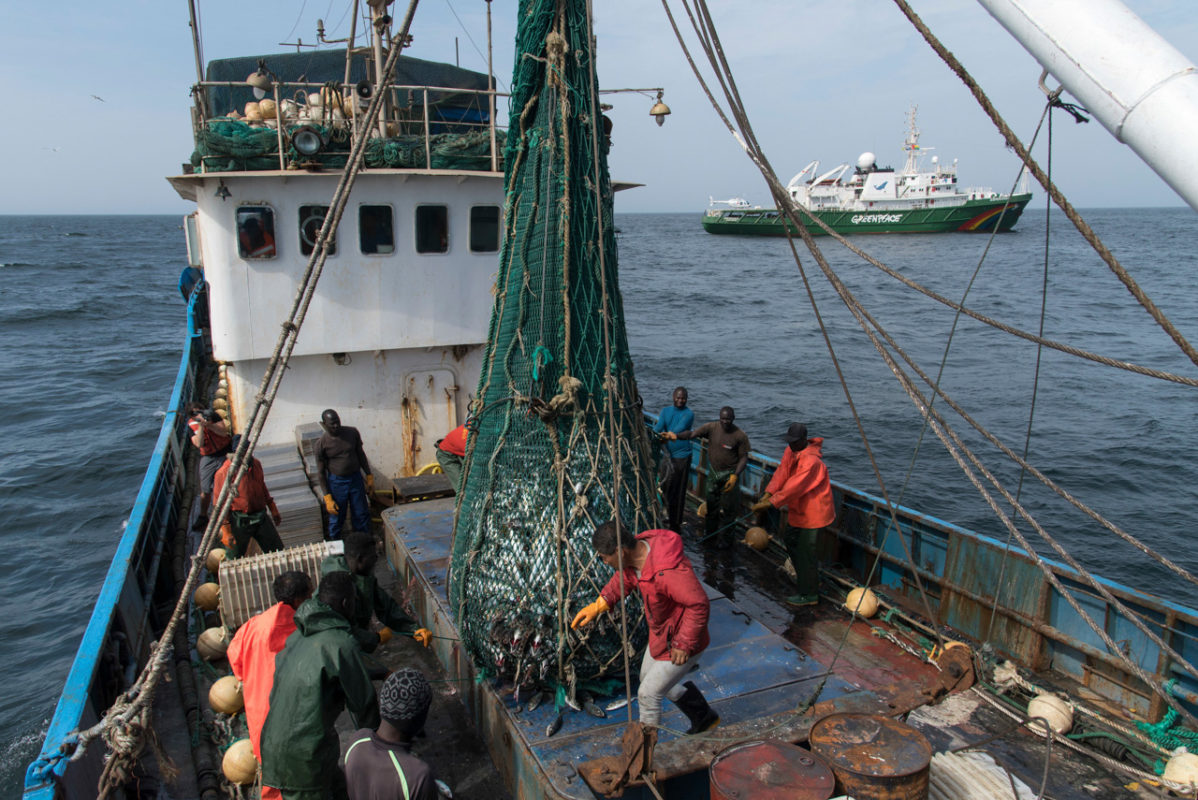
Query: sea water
x=92 y=325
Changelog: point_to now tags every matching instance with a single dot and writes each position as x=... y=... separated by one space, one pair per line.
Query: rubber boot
x=692 y=703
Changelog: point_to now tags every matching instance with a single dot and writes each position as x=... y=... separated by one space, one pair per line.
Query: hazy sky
x=822 y=79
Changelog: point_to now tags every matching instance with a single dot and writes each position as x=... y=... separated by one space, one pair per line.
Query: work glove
x=424 y=636
x=384 y=635
x=369 y=484
x=730 y=484
x=762 y=504
x=670 y=435
x=330 y=504
x=275 y=515
x=590 y=613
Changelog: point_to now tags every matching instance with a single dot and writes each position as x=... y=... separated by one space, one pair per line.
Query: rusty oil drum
x=874 y=757
x=769 y=770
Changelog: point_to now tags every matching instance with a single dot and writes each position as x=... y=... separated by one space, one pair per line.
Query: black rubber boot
x=694 y=705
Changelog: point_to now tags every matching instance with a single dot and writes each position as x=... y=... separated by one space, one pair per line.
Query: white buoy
x=212 y=643
x=863 y=601
x=1052 y=708
x=1182 y=768
x=225 y=696
x=239 y=764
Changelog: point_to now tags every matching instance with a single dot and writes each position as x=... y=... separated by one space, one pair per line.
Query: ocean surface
x=91 y=327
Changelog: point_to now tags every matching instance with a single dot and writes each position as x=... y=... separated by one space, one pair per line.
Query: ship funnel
x=866 y=160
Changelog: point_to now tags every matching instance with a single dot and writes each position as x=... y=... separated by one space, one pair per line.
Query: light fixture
x=307 y=140
x=659 y=111
x=260 y=81
x=222 y=191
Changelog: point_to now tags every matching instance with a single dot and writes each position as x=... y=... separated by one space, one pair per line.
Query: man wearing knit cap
x=801 y=486
x=379 y=765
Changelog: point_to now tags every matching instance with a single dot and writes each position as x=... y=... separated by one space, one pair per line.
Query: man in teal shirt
x=676 y=461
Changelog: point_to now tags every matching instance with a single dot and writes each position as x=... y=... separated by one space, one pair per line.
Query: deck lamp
x=260 y=80
x=659 y=110
x=307 y=140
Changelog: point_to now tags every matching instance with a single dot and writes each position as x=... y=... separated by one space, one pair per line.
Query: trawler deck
x=763 y=666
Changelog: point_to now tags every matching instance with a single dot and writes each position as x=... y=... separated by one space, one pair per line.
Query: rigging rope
x=1082 y=226
x=133 y=705
x=746 y=138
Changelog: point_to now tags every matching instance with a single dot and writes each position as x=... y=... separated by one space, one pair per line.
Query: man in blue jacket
x=676 y=461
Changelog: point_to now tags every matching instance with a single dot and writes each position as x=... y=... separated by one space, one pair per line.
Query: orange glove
x=330 y=504
x=670 y=436
x=590 y=613
x=369 y=484
x=424 y=636
x=730 y=484
x=226 y=535
x=384 y=635
x=274 y=513
x=762 y=504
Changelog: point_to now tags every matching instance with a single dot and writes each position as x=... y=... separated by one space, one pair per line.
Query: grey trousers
x=659 y=679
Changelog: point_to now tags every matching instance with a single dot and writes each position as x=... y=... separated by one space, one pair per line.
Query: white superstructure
x=870 y=187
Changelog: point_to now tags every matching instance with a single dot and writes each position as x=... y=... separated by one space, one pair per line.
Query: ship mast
x=911 y=143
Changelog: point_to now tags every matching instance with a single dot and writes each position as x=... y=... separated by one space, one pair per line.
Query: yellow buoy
x=215 y=556
x=220 y=403
x=757 y=538
x=253 y=111
x=863 y=600
x=212 y=643
x=267 y=108
x=1052 y=708
x=239 y=764
x=207 y=596
x=1182 y=768
x=225 y=696
x=702 y=510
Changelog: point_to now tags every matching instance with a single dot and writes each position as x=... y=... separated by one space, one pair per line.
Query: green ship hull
x=972 y=216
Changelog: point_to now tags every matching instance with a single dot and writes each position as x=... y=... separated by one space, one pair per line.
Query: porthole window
x=311 y=218
x=484 y=229
x=432 y=229
x=256 y=232
x=376 y=233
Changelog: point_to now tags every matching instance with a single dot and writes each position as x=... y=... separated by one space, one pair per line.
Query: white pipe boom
x=1135 y=83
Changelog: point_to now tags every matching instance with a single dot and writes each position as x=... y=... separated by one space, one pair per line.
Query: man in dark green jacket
x=318 y=674
x=361 y=555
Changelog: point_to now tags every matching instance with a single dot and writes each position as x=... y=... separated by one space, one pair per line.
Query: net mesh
x=557 y=443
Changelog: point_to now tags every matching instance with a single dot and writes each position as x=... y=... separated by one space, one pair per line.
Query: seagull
x=53 y=149
x=96 y=96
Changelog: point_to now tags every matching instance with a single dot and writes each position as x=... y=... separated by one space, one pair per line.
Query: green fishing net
x=557 y=442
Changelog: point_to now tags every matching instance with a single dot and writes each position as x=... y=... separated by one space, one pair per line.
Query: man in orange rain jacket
x=252 y=652
x=801 y=486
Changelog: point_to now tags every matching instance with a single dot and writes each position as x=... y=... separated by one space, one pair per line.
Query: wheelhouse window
x=484 y=229
x=311 y=218
x=376 y=231
x=432 y=229
x=256 y=232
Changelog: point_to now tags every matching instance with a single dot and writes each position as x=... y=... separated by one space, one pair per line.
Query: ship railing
x=1033 y=624
x=116 y=642
x=421 y=111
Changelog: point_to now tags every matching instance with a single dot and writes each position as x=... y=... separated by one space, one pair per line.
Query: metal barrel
x=873 y=757
x=769 y=770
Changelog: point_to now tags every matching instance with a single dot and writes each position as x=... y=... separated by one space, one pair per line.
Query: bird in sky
x=52 y=149
x=96 y=96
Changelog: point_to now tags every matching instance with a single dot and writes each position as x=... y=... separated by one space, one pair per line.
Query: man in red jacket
x=252 y=651
x=253 y=513
x=801 y=486
x=676 y=608
x=451 y=451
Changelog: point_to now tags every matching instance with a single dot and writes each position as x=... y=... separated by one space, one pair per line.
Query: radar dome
x=866 y=160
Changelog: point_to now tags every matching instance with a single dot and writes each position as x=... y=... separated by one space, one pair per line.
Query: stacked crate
x=247 y=584
x=298 y=503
